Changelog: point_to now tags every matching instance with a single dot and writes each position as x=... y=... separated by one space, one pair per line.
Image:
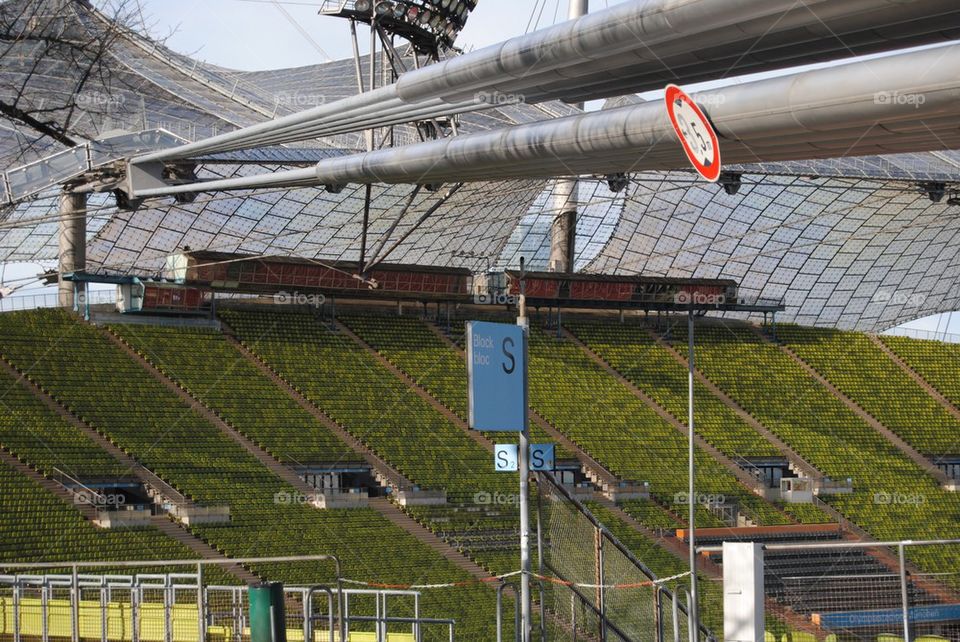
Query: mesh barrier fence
x=852 y=591
x=600 y=590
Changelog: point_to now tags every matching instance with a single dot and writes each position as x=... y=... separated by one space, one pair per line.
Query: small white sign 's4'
x=695 y=132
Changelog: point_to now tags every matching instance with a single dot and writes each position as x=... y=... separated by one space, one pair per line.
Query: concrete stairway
x=905 y=448
x=146 y=476
x=88 y=511
x=201 y=548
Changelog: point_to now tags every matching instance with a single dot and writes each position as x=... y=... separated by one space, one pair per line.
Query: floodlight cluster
x=443 y=18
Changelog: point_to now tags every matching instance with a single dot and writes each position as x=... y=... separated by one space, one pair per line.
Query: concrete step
x=204 y=550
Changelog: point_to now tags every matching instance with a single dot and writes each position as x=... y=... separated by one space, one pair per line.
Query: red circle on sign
x=695 y=132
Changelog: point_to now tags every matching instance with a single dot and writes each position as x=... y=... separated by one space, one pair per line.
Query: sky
x=263 y=34
x=254 y=35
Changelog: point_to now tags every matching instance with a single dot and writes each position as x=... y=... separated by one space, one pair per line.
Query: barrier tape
x=498 y=578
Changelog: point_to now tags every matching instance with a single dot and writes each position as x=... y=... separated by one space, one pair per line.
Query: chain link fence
x=597 y=588
x=845 y=591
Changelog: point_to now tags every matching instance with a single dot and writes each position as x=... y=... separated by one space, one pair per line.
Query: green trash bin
x=267 y=614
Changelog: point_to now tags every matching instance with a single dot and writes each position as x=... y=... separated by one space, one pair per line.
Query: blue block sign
x=497 y=373
x=505 y=458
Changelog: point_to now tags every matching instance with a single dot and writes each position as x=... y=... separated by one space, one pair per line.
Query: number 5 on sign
x=695 y=132
x=497 y=374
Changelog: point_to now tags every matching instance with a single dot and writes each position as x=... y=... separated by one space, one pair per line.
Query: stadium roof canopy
x=866 y=242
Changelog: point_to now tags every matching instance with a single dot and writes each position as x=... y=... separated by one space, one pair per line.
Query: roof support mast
x=72 y=236
x=563 y=234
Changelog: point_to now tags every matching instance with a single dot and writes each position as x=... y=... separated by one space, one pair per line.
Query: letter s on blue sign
x=509 y=355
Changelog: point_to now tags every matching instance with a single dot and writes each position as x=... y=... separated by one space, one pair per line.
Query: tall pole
x=563 y=234
x=523 y=457
x=904 y=594
x=691 y=492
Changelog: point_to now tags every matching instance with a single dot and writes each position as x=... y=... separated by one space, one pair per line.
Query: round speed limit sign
x=695 y=132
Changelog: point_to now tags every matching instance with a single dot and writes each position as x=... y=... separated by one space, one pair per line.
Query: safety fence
x=872 y=591
x=182 y=607
x=595 y=585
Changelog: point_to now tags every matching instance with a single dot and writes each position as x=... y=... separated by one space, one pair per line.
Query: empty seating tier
x=634 y=354
x=876 y=383
x=219 y=375
x=893 y=498
x=129 y=406
x=38 y=436
x=351 y=387
x=610 y=423
x=935 y=361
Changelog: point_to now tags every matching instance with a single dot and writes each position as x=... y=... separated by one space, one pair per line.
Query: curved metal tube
x=836 y=111
x=630 y=47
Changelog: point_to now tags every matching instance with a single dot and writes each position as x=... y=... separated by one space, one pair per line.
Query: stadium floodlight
x=617 y=182
x=421 y=22
x=935 y=191
x=731 y=182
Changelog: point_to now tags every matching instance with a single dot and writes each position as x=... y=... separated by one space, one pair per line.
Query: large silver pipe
x=653 y=53
x=615 y=51
x=851 y=107
x=906 y=102
x=642 y=34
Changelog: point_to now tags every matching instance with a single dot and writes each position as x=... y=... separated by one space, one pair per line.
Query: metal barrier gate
x=179 y=607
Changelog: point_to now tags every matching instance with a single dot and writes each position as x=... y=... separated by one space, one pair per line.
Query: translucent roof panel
x=848 y=253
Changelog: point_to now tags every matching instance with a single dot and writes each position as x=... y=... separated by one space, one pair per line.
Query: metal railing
x=52 y=300
x=862 y=590
x=926 y=335
x=181 y=607
x=605 y=592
